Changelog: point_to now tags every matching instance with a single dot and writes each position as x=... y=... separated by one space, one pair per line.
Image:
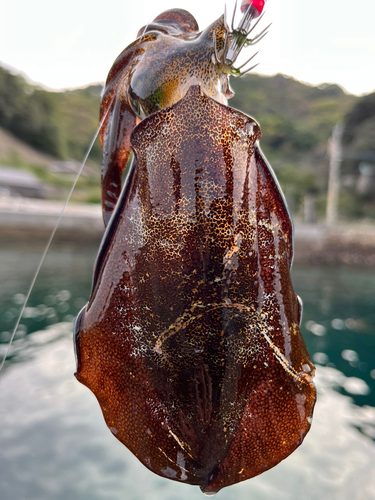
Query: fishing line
x=51 y=238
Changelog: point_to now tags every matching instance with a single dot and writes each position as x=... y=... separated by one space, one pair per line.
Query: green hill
x=358 y=168
x=296 y=121
x=60 y=124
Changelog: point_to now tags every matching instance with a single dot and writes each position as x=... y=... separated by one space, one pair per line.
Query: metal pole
x=335 y=152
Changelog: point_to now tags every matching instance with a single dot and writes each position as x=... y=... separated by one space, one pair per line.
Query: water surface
x=55 y=445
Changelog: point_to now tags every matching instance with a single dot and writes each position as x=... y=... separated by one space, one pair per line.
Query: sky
x=73 y=43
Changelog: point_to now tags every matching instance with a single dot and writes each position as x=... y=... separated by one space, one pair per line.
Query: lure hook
x=259 y=36
x=250 y=59
x=237 y=38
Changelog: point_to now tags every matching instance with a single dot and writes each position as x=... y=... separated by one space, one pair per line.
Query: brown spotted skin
x=154 y=72
x=191 y=340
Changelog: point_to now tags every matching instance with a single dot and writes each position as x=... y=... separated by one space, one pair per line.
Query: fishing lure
x=190 y=340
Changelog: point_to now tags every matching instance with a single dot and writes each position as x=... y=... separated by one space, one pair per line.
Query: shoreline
x=32 y=218
x=25 y=218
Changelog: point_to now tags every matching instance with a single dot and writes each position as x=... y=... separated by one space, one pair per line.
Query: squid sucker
x=190 y=340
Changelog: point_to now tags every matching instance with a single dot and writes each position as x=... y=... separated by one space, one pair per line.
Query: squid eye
x=257 y=6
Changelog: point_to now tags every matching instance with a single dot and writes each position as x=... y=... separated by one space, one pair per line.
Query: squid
x=190 y=340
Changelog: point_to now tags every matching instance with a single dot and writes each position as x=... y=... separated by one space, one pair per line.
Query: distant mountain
x=296 y=120
x=359 y=131
x=60 y=124
x=15 y=152
x=358 y=167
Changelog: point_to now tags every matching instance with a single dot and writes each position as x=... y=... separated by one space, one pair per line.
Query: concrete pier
x=342 y=243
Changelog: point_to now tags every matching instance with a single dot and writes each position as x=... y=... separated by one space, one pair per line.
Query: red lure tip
x=257 y=4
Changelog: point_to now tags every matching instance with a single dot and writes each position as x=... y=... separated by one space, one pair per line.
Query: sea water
x=54 y=444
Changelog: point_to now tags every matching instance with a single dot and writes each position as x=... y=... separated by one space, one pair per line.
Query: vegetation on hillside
x=61 y=124
x=358 y=168
x=296 y=122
